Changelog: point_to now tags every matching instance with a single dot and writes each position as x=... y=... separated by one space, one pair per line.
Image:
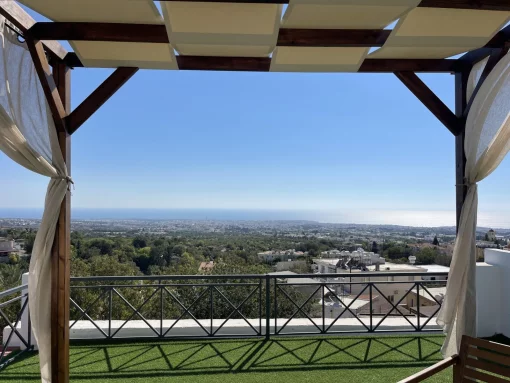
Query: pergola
x=250 y=35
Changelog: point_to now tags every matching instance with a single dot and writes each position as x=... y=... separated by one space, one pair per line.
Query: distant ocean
x=374 y=217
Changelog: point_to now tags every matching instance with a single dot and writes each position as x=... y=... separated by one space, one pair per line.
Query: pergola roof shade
x=439 y=33
x=309 y=36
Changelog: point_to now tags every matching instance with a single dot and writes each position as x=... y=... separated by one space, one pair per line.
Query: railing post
x=110 y=304
x=211 y=309
x=160 y=309
x=370 y=308
x=25 y=316
x=323 y=312
x=275 y=307
x=260 y=306
x=418 y=305
x=268 y=307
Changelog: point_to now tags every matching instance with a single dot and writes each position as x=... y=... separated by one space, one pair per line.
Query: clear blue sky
x=260 y=140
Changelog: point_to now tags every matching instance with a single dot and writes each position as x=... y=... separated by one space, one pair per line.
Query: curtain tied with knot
x=486 y=144
x=28 y=136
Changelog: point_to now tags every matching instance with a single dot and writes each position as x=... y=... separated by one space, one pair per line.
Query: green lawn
x=381 y=359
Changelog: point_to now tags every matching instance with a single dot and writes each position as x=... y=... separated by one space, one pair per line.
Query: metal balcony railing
x=13 y=306
x=265 y=305
x=201 y=306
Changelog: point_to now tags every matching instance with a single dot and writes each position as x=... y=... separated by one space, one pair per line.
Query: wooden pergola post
x=61 y=260
x=460 y=156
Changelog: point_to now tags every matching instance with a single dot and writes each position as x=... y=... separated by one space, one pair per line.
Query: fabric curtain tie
x=467 y=184
x=68 y=179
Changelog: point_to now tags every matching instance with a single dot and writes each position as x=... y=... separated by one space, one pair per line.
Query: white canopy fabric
x=486 y=144
x=28 y=136
x=218 y=29
x=431 y=33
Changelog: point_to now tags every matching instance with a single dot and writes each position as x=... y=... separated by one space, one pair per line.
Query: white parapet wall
x=493 y=293
x=85 y=329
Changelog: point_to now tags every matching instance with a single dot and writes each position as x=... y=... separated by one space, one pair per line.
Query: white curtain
x=28 y=136
x=486 y=144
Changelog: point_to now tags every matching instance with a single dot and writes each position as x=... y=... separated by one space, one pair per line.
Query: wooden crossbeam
x=49 y=87
x=23 y=21
x=262 y=64
x=431 y=101
x=410 y=65
x=154 y=33
x=492 y=5
x=500 y=40
x=488 y=5
x=332 y=37
x=98 y=97
x=251 y=64
x=81 y=31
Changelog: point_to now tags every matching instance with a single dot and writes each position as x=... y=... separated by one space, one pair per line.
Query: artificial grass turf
x=280 y=360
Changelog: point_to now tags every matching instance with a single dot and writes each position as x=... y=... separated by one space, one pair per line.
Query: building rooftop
x=294 y=280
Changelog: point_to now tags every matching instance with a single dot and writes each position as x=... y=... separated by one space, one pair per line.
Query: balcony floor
x=322 y=359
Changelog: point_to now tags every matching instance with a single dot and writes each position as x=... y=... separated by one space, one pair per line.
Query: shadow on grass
x=180 y=358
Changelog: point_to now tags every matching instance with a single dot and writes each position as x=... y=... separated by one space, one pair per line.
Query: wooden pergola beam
x=49 y=87
x=262 y=64
x=82 y=31
x=98 y=97
x=410 y=65
x=488 y=5
x=23 y=21
x=461 y=79
x=61 y=250
x=156 y=33
x=431 y=101
x=250 y=64
x=500 y=40
x=492 y=5
x=332 y=37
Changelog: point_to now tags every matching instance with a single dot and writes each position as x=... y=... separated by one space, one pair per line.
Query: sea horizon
x=415 y=218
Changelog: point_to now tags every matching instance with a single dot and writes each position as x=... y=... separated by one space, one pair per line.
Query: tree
x=178 y=250
x=29 y=243
x=486 y=237
x=139 y=242
x=426 y=256
x=105 y=246
x=375 y=248
x=142 y=259
x=435 y=242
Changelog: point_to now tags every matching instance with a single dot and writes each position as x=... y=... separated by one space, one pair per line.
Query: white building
x=288 y=265
x=335 y=253
x=280 y=255
x=6 y=248
x=349 y=287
